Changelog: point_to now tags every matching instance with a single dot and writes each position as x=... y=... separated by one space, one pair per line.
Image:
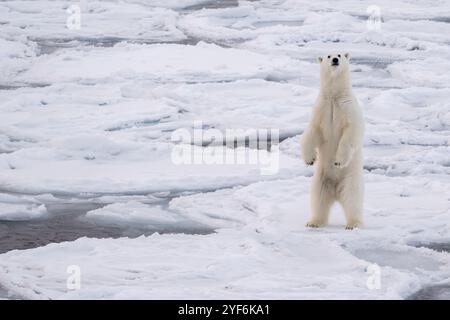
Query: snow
x=134 y=212
x=17 y=212
x=89 y=115
x=21 y=208
x=427 y=73
x=158 y=62
x=213 y=266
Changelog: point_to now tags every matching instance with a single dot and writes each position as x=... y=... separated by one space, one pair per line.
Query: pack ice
x=87 y=116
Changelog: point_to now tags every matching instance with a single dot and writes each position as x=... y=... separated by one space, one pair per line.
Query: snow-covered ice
x=133 y=212
x=88 y=116
x=21 y=212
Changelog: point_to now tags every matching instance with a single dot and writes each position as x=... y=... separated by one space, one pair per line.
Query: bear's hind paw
x=313 y=225
x=351 y=226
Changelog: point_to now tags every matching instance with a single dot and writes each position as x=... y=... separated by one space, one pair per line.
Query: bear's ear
x=347 y=55
x=320 y=59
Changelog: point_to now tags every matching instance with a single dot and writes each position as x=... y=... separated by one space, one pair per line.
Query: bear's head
x=334 y=64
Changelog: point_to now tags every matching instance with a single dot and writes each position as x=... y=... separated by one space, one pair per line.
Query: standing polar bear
x=334 y=139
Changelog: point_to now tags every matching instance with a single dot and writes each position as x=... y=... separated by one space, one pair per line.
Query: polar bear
x=333 y=140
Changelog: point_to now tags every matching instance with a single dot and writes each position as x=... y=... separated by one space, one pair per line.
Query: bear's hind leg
x=350 y=195
x=322 y=197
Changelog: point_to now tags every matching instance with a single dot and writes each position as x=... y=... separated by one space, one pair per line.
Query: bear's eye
x=339 y=55
x=329 y=57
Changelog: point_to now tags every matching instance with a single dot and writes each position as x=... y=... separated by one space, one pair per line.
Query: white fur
x=333 y=140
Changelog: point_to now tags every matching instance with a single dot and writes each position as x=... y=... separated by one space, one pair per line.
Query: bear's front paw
x=341 y=162
x=343 y=157
x=309 y=159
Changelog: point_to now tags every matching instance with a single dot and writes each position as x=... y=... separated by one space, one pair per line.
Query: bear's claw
x=311 y=162
x=351 y=226
x=312 y=225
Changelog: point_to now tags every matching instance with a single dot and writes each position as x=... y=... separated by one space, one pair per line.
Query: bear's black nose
x=335 y=60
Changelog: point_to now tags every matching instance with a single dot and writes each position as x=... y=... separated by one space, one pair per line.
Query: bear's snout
x=335 y=61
